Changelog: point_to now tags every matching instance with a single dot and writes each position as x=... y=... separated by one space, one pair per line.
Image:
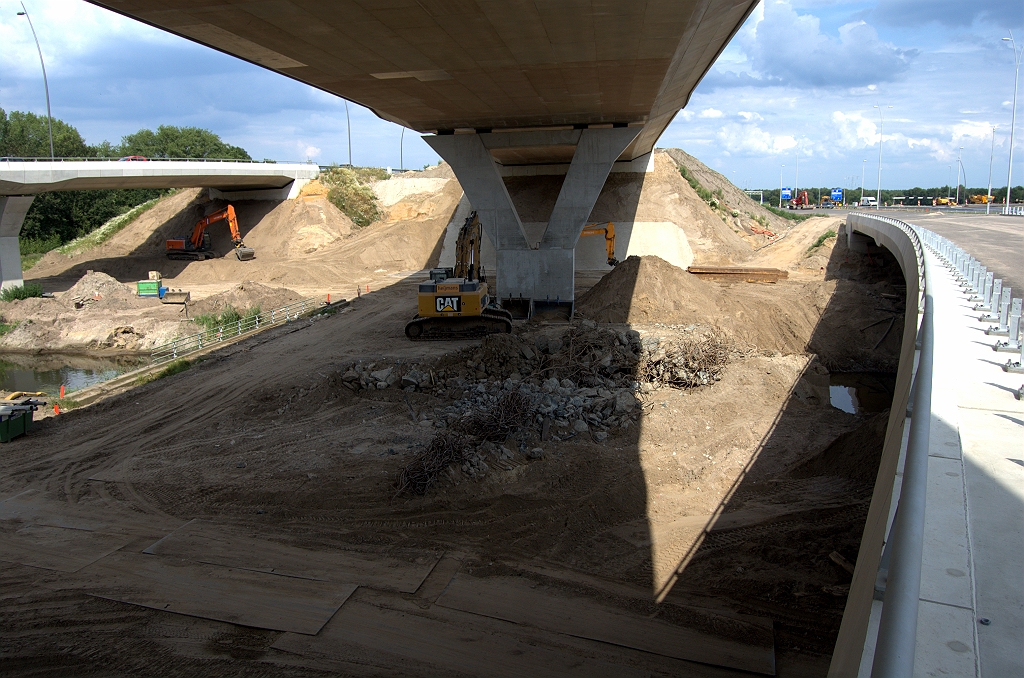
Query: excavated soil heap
x=649 y=290
x=245 y=296
x=644 y=290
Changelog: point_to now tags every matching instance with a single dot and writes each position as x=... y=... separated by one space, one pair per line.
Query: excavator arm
x=228 y=213
x=467 y=250
x=609 y=239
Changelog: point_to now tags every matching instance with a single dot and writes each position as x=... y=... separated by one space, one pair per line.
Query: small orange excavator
x=197 y=246
x=609 y=239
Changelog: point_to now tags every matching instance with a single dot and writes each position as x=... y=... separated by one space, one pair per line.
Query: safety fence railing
x=892 y=556
x=1013 y=210
x=184 y=346
x=146 y=159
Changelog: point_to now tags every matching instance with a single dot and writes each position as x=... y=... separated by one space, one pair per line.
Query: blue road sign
x=787 y=193
x=837 y=194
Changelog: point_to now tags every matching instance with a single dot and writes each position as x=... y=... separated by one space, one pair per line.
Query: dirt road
x=241 y=518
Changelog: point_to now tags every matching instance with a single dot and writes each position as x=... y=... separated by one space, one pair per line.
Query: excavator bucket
x=245 y=253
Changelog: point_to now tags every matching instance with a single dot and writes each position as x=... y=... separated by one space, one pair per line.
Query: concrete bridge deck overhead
x=30 y=178
x=442 y=65
x=497 y=84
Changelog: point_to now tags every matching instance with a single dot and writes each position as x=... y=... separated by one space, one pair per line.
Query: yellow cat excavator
x=197 y=246
x=454 y=303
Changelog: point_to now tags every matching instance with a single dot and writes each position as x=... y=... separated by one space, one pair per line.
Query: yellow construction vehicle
x=454 y=303
x=982 y=199
x=608 y=231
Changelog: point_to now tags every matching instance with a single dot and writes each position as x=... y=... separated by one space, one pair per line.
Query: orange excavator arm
x=609 y=239
x=227 y=213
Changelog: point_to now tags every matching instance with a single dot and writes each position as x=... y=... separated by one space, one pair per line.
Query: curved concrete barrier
x=864 y=232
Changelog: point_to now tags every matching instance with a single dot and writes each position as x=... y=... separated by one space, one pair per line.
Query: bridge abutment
x=13 y=209
x=540 y=272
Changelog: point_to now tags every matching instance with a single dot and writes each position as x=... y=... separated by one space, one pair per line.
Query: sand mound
x=102 y=292
x=293 y=228
x=647 y=290
x=245 y=296
x=846 y=455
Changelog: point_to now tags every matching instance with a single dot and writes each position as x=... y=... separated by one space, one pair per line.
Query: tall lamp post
x=46 y=86
x=1013 y=117
x=780 y=185
x=878 y=200
x=959 y=166
x=401 y=151
x=991 y=156
x=863 y=166
x=348 y=128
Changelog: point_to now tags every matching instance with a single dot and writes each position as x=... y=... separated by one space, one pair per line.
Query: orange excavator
x=197 y=246
x=608 y=231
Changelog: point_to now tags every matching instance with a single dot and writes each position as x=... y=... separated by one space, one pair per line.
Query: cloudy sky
x=801 y=78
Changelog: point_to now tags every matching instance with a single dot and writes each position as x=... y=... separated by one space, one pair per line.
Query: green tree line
x=59 y=217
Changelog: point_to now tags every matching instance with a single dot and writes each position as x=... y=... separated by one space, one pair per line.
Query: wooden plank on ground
x=225 y=594
x=205 y=542
x=63 y=549
x=449 y=648
x=739 y=273
x=745 y=645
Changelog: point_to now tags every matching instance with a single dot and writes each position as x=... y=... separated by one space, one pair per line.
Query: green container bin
x=148 y=288
x=12 y=427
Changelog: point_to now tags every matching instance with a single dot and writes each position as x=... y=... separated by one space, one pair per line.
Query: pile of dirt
x=648 y=290
x=292 y=229
x=102 y=292
x=245 y=296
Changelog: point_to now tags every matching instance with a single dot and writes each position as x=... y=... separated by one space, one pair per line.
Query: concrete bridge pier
x=13 y=209
x=534 y=275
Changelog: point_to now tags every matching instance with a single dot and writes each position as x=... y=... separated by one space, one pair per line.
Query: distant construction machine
x=454 y=303
x=197 y=246
x=801 y=202
x=608 y=231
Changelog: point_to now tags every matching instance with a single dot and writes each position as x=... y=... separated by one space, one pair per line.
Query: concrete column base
x=13 y=209
x=544 y=276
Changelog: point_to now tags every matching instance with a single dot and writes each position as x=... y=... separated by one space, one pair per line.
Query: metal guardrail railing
x=118 y=159
x=896 y=641
x=1014 y=210
x=184 y=346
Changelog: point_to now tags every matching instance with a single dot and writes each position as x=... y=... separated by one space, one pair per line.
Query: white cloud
x=748 y=116
x=752 y=140
x=310 y=151
x=972 y=129
x=854 y=130
x=789 y=48
x=711 y=113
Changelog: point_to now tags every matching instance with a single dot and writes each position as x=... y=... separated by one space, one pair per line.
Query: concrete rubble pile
x=583 y=380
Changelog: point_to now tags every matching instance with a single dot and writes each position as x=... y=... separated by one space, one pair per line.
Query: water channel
x=48 y=372
x=861 y=392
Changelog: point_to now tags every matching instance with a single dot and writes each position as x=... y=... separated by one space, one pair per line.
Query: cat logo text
x=448 y=304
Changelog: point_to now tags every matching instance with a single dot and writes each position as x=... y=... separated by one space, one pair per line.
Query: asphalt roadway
x=997 y=241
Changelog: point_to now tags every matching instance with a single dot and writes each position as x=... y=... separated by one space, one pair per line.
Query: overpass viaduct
x=500 y=87
x=21 y=181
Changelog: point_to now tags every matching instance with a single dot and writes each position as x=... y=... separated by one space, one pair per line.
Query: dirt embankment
x=306 y=243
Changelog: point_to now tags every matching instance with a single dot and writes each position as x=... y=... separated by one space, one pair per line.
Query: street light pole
x=780 y=186
x=863 y=165
x=1013 y=117
x=348 y=128
x=46 y=86
x=959 y=165
x=878 y=200
x=949 y=182
x=991 y=157
x=401 y=151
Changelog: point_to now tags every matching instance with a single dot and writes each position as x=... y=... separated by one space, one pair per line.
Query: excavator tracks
x=491 y=321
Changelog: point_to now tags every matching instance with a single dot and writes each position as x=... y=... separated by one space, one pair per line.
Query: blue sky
x=801 y=78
